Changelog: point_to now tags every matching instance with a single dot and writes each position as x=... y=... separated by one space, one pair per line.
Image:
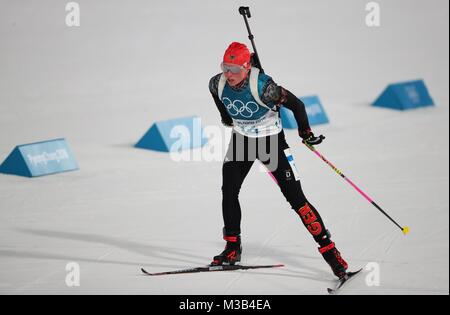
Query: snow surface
x=132 y=63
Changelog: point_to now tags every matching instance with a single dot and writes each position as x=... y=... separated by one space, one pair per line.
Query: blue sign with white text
x=40 y=158
x=405 y=95
x=314 y=110
x=174 y=135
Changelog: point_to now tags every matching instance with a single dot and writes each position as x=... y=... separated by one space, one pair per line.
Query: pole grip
x=245 y=11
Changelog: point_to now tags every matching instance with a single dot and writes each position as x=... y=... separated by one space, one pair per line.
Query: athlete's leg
x=235 y=168
x=287 y=176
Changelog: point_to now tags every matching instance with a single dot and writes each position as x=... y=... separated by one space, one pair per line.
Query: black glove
x=227 y=123
x=309 y=137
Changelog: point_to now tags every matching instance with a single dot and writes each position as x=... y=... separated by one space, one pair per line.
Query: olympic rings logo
x=238 y=107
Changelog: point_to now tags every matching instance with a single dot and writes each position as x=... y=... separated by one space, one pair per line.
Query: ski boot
x=333 y=257
x=231 y=254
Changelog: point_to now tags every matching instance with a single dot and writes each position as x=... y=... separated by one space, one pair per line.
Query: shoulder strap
x=254 y=76
x=221 y=85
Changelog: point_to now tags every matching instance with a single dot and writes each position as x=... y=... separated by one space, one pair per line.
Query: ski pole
x=245 y=12
x=405 y=229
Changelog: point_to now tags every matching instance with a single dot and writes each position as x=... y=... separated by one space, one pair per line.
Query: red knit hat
x=237 y=54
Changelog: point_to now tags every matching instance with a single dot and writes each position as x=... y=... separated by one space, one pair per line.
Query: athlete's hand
x=227 y=123
x=309 y=137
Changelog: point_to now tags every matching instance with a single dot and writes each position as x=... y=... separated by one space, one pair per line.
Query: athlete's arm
x=275 y=94
x=213 y=88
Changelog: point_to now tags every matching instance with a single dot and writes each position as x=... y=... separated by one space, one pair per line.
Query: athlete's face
x=233 y=76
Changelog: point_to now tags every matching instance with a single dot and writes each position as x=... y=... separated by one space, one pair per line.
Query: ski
x=210 y=268
x=343 y=281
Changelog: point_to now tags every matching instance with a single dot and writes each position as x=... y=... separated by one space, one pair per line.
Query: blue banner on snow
x=40 y=158
x=314 y=109
x=405 y=95
x=174 y=135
